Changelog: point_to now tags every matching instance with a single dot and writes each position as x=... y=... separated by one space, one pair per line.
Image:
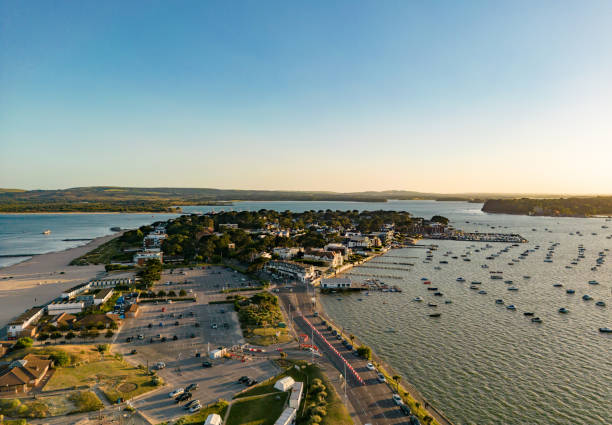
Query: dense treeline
x=201 y=237
x=564 y=207
x=8 y=206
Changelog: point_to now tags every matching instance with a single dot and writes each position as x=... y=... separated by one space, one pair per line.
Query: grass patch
x=219 y=408
x=108 y=252
x=112 y=375
x=15 y=408
x=266 y=336
x=85 y=401
x=260 y=410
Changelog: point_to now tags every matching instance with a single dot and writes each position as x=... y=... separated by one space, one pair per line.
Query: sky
x=434 y=96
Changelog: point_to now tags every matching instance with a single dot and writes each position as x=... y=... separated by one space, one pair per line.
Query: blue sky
x=439 y=96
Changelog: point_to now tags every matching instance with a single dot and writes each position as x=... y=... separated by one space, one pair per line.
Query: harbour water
x=479 y=362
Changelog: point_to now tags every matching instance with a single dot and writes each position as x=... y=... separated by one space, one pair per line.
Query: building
x=22 y=375
x=103 y=295
x=63 y=320
x=75 y=290
x=65 y=306
x=217 y=353
x=344 y=250
x=296 y=395
x=330 y=258
x=284 y=384
x=153 y=240
x=336 y=283
x=23 y=321
x=287 y=417
x=213 y=419
x=110 y=283
x=358 y=241
x=141 y=257
x=286 y=253
x=226 y=226
x=301 y=272
x=132 y=311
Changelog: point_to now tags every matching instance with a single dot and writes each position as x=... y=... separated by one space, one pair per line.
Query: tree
x=439 y=219
x=102 y=348
x=43 y=336
x=365 y=352
x=161 y=293
x=56 y=335
x=24 y=342
x=109 y=334
x=60 y=358
x=70 y=335
x=182 y=293
x=172 y=294
x=397 y=379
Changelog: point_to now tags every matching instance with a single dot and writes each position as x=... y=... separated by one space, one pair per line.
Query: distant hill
x=559 y=207
x=159 y=199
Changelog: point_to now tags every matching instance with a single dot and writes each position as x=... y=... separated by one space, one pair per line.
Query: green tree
x=397 y=379
x=182 y=293
x=24 y=342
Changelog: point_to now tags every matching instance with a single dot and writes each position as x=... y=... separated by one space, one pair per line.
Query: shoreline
x=88 y=212
x=43 y=277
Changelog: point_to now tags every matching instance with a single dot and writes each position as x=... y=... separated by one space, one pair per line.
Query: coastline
x=43 y=277
x=90 y=212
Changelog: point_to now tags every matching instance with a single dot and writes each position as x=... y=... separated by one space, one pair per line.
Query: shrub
x=60 y=358
x=23 y=343
x=85 y=401
x=43 y=336
x=109 y=334
x=56 y=335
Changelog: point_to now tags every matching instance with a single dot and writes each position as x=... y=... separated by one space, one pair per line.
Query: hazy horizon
x=446 y=97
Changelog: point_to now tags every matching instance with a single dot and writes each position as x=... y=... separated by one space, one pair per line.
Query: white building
x=141 y=257
x=287 y=417
x=24 y=320
x=65 y=306
x=75 y=290
x=331 y=258
x=358 y=241
x=301 y=272
x=338 y=247
x=336 y=282
x=286 y=253
x=284 y=384
x=296 y=395
x=217 y=353
x=110 y=283
x=153 y=240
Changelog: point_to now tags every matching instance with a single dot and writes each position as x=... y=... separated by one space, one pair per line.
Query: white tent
x=284 y=384
x=213 y=419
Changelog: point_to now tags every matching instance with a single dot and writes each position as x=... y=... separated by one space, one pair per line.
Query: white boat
x=46 y=232
x=418 y=299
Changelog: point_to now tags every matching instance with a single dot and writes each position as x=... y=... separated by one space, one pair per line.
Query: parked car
x=251 y=382
x=192 y=336
x=133 y=352
x=141 y=336
x=214 y=326
x=198 y=354
x=150 y=325
x=381 y=378
x=414 y=420
x=164 y=339
x=243 y=379
x=195 y=408
x=206 y=364
x=174 y=338
x=405 y=409
x=397 y=399
x=176 y=392
x=129 y=339
x=191 y=403
x=184 y=397
x=370 y=366
x=160 y=365
x=192 y=387
x=176 y=323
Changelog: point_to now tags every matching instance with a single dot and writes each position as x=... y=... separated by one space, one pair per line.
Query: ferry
x=46 y=232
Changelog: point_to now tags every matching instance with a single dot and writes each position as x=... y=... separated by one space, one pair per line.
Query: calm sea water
x=479 y=362
x=22 y=233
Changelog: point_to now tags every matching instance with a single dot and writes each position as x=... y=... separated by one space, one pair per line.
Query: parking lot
x=181 y=334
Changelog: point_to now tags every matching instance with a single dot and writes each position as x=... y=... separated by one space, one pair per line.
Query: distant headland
x=560 y=207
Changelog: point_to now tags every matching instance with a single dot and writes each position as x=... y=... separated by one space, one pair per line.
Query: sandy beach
x=40 y=279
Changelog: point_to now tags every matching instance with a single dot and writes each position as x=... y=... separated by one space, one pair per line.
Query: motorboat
x=448 y=302
x=570 y=291
x=557 y=285
x=432 y=305
x=460 y=279
x=605 y=330
x=563 y=310
x=600 y=304
x=528 y=313
x=536 y=320
x=438 y=294
x=511 y=307
x=418 y=299
x=587 y=297
x=593 y=282
x=435 y=315
x=499 y=301
x=46 y=232
x=482 y=292
x=513 y=288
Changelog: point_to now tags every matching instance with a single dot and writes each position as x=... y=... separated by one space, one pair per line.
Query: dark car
x=405 y=409
x=243 y=379
x=184 y=397
x=192 y=336
x=176 y=323
x=414 y=420
x=191 y=313
x=150 y=325
x=174 y=338
x=129 y=339
x=191 y=403
x=206 y=364
x=164 y=339
x=161 y=324
x=197 y=325
x=192 y=387
x=198 y=355
x=133 y=352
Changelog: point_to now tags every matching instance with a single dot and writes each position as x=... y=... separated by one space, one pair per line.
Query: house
x=75 y=290
x=23 y=321
x=287 y=417
x=296 y=395
x=345 y=251
x=153 y=240
x=22 y=375
x=358 y=241
x=336 y=283
x=301 y=272
x=103 y=295
x=330 y=258
x=284 y=384
x=141 y=257
x=132 y=311
x=286 y=253
x=65 y=306
x=63 y=320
